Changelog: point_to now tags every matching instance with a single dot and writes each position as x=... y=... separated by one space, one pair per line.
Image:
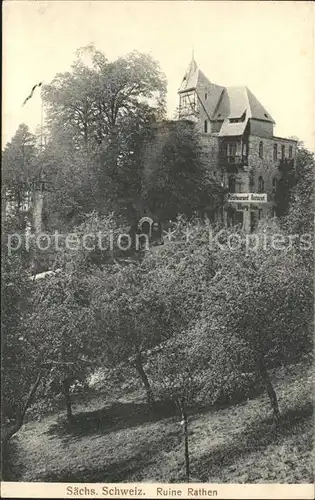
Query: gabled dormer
x=238 y=109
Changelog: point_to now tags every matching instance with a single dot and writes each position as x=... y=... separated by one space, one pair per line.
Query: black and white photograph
x=157 y=249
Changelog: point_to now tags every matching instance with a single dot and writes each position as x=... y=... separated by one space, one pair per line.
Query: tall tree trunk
x=270 y=391
x=182 y=406
x=85 y=129
x=6 y=434
x=66 y=392
x=145 y=380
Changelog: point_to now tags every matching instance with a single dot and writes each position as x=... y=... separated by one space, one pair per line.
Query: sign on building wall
x=247 y=197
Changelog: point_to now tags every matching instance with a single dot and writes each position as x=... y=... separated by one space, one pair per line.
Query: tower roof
x=190 y=79
x=193 y=78
x=224 y=103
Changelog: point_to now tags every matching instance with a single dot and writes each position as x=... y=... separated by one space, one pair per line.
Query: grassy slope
x=235 y=445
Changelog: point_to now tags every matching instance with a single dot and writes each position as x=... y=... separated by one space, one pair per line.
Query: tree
x=20 y=169
x=189 y=365
x=179 y=374
x=249 y=311
x=295 y=196
x=74 y=191
x=126 y=329
x=95 y=114
x=136 y=308
x=48 y=328
x=19 y=158
x=67 y=313
x=176 y=179
x=21 y=366
x=263 y=298
x=22 y=354
x=296 y=184
x=96 y=99
x=301 y=209
x=64 y=317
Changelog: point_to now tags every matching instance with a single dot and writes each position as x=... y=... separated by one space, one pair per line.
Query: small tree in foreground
x=64 y=316
x=22 y=357
x=178 y=375
x=127 y=326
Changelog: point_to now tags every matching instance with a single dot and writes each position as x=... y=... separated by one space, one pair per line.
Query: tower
x=198 y=98
x=188 y=108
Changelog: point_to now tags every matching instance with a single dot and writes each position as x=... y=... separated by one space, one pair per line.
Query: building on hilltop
x=239 y=135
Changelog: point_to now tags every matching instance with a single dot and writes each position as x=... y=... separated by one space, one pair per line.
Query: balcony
x=232 y=162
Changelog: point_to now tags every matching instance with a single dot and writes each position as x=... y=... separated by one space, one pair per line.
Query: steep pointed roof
x=208 y=93
x=257 y=109
x=192 y=77
x=235 y=101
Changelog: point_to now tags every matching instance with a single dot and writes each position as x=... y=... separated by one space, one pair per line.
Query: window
x=275 y=152
x=261 y=185
x=222 y=148
x=282 y=152
x=239 y=219
x=231 y=149
x=251 y=179
x=290 y=152
x=205 y=126
x=238 y=120
x=274 y=185
x=206 y=96
x=232 y=184
x=261 y=149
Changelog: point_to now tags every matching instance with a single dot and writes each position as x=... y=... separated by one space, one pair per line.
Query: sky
x=267 y=46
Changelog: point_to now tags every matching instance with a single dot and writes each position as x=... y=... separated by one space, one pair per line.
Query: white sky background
x=267 y=46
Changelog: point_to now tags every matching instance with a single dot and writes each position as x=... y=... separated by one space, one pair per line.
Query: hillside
x=121 y=442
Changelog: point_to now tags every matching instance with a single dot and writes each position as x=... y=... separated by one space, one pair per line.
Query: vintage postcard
x=157 y=249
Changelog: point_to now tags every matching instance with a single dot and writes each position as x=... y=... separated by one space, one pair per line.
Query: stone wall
x=261 y=128
x=247 y=177
x=210 y=145
x=267 y=167
x=161 y=132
